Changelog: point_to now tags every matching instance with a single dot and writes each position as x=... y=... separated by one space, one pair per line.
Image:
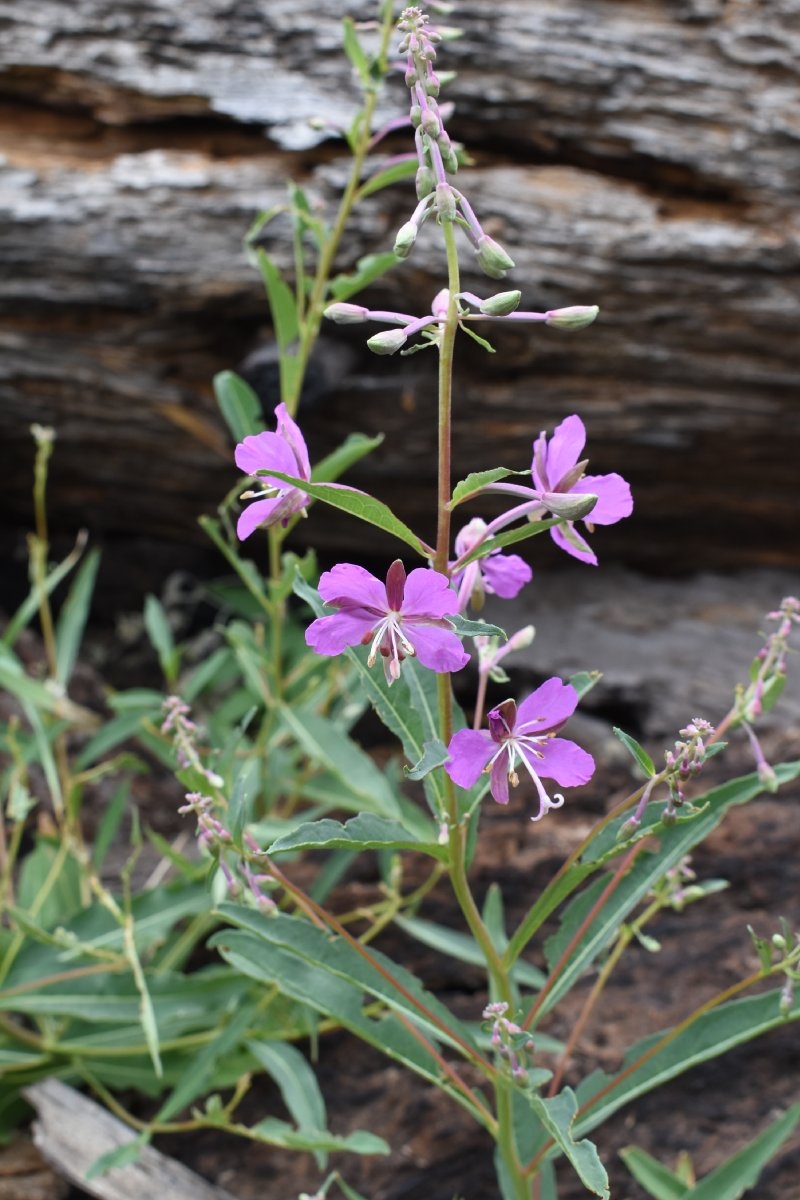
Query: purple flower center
x=524 y=747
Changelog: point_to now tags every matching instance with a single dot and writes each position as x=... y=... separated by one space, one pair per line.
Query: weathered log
x=641 y=156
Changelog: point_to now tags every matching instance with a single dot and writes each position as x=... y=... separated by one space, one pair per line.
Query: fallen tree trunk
x=640 y=156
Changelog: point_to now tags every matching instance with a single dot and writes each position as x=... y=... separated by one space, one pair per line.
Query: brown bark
x=639 y=155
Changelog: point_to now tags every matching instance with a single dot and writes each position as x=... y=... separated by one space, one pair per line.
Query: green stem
x=515 y=1171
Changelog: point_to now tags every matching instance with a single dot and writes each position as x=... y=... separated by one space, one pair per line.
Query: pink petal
x=290 y=432
x=437 y=649
x=565 y=448
x=259 y=513
x=574 y=544
x=499 y=783
x=330 y=635
x=614 y=499
x=353 y=583
x=470 y=750
x=428 y=594
x=564 y=762
x=548 y=707
x=264 y=452
x=505 y=574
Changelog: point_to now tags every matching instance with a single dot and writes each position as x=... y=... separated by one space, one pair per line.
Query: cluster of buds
x=767 y=680
x=436 y=155
x=501 y=306
x=184 y=731
x=687 y=757
x=511 y=1042
x=214 y=838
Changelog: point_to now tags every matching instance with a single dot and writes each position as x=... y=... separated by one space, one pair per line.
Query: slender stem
x=575 y=940
x=447 y=337
x=319 y=287
x=506 y=1144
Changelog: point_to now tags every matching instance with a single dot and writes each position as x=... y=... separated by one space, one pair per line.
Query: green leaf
x=655 y=1178
x=368 y=269
x=159 y=631
x=558 y=1117
x=639 y=753
x=671 y=1053
x=239 y=405
x=435 y=755
x=297 y=1082
x=479 y=628
x=281 y=301
x=360 y=505
x=324 y=743
x=675 y=842
x=120 y=1156
x=364 y=832
x=74 y=615
x=741 y=1171
x=355 y=52
x=355 y=447
x=279 y=1133
x=30 y=605
x=463 y=947
x=584 y=681
x=476 y=481
x=508 y=537
x=398 y=172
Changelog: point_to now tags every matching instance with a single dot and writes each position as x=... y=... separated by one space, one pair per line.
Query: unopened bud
x=502 y=304
x=628 y=829
x=406 y=236
x=492 y=258
x=346 y=314
x=445 y=202
x=570 y=506
x=430 y=123
x=576 y=317
x=449 y=156
x=767 y=777
x=416 y=115
x=389 y=341
x=425 y=182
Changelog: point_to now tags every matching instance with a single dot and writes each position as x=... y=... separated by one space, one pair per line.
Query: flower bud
x=445 y=202
x=346 y=314
x=576 y=317
x=425 y=182
x=449 y=156
x=430 y=123
x=406 y=236
x=501 y=304
x=492 y=258
x=416 y=115
x=569 y=506
x=389 y=341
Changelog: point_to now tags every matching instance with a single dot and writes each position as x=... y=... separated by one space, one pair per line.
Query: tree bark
x=639 y=155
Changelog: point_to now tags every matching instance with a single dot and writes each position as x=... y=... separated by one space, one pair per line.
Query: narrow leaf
x=368 y=269
x=558 y=1117
x=355 y=447
x=364 y=832
x=741 y=1171
x=281 y=301
x=639 y=753
x=74 y=615
x=476 y=481
x=398 y=172
x=654 y=1177
x=239 y=405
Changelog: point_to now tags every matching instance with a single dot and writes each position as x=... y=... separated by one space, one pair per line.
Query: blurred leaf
x=239 y=405
x=355 y=447
x=741 y=1171
x=74 y=614
x=464 y=948
x=655 y=1178
x=639 y=753
x=435 y=754
x=281 y=301
x=368 y=269
x=398 y=172
x=297 y=1082
x=159 y=632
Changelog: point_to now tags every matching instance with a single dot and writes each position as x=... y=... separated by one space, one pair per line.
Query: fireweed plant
x=261 y=729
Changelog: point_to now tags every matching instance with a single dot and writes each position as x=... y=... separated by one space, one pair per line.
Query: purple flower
x=526 y=735
x=285 y=450
x=497 y=573
x=556 y=469
x=403 y=617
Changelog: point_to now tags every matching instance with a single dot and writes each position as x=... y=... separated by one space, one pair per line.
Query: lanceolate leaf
x=639 y=753
x=360 y=505
x=558 y=1117
x=239 y=405
x=364 y=832
x=655 y=1178
x=478 y=480
x=368 y=269
x=709 y=1036
x=356 y=446
x=507 y=538
x=741 y=1171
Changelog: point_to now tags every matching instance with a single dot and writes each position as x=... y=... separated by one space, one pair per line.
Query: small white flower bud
x=406 y=236
x=389 y=341
x=501 y=304
x=346 y=314
x=576 y=317
x=425 y=182
x=445 y=202
x=492 y=258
